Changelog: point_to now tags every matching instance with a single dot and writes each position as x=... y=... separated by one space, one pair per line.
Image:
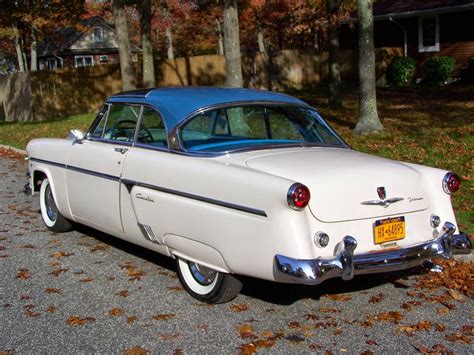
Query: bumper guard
x=345 y=264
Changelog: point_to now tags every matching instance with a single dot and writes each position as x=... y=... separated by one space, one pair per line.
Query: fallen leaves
x=239 y=307
x=123 y=293
x=131 y=319
x=392 y=316
x=61 y=254
x=58 y=272
x=78 y=321
x=457 y=278
x=100 y=246
x=32 y=314
x=51 y=309
x=459 y=337
x=137 y=350
x=133 y=273
x=338 y=297
x=377 y=298
x=115 y=312
x=86 y=280
x=166 y=316
x=23 y=274
x=53 y=290
x=420 y=326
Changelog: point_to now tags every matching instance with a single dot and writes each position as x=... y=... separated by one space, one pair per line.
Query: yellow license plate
x=388 y=230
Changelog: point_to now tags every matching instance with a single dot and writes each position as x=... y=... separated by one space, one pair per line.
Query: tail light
x=298 y=196
x=451 y=183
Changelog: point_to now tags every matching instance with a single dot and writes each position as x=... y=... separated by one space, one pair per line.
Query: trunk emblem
x=381 y=192
x=382 y=202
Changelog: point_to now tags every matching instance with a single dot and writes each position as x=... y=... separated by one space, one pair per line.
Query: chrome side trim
x=93 y=173
x=53 y=163
x=129 y=184
x=345 y=264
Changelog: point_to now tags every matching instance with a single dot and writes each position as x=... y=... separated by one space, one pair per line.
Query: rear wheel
x=53 y=219
x=205 y=284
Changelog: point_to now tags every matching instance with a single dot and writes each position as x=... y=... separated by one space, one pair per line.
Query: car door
x=95 y=167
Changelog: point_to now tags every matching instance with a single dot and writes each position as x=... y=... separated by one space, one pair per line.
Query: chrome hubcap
x=51 y=208
x=202 y=274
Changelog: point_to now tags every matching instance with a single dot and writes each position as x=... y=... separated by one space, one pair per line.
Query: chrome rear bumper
x=345 y=264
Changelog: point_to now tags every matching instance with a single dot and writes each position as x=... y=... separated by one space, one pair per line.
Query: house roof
x=406 y=8
x=177 y=103
x=63 y=38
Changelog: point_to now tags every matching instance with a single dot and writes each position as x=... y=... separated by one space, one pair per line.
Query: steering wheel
x=117 y=131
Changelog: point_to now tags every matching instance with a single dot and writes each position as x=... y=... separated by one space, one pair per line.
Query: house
x=422 y=29
x=95 y=43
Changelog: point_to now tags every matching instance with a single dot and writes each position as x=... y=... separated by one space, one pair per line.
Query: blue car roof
x=177 y=103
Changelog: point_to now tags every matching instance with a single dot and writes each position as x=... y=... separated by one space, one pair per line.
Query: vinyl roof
x=177 y=103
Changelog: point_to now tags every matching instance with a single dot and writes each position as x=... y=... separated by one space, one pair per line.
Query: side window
x=121 y=123
x=282 y=127
x=152 y=130
x=98 y=131
x=247 y=122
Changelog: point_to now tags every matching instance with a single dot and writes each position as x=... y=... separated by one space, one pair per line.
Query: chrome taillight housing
x=298 y=196
x=451 y=183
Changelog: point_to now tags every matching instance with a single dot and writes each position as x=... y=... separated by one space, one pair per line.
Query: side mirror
x=76 y=136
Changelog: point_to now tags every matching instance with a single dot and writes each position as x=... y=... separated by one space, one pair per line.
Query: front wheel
x=53 y=219
x=205 y=284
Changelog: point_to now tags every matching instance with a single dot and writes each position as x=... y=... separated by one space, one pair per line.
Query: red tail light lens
x=451 y=183
x=298 y=196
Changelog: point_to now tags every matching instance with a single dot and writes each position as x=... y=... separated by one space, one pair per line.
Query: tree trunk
x=334 y=99
x=220 y=40
x=19 y=50
x=34 y=47
x=368 y=117
x=145 y=27
x=169 y=43
x=233 y=64
x=260 y=39
x=123 y=41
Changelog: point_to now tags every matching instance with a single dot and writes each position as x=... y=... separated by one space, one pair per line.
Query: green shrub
x=438 y=70
x=401 y=71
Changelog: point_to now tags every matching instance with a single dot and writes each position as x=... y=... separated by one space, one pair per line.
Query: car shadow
x=267 y=291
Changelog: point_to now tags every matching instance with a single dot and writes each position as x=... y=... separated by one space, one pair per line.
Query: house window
x=103 y=59
x=83 y=60
x=51 y=63
x=428 y=34
x=98 y=34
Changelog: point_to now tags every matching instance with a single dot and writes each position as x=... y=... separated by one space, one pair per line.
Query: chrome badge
x=382 y=202
x=381 y=192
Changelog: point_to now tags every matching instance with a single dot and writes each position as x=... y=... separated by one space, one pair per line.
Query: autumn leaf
x=115 y=312
x=24 y=297
x=311 y=316
x=468 y=329
x=123 y=293
x=61 y=254
x=100 y=246
x=54 y=263
x=371 y=342
x=51 y=309
x=57 y=272
x=168 y=337
x=137 y=350
x=53 y=290
x=246 y=331
x=131 y=319
x=440 y=327
x=86 y=280
x=391 y=316
x=28 y=246
x=175 y=288
x=459 y=337
x=339 y=297
x=78 y=321
x=442 y=310
x=377 y=298
x=203 y=326
x=23 y=274
x=239 y=307
x=294 y=338
x=166 y=316
x=32 y=314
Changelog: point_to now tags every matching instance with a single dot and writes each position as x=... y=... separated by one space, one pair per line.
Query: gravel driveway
x=84 y=291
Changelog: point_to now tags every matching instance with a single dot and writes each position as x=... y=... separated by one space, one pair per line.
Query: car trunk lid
x=344 y=183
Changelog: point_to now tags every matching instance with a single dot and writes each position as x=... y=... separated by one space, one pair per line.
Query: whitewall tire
x=53 y=219
x=205 y=284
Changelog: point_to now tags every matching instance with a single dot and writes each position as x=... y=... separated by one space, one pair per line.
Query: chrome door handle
x=121 y=150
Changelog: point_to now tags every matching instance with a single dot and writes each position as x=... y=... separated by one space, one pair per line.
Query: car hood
x=340 y=180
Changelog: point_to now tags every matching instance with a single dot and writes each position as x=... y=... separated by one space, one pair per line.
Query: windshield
x=246 y=127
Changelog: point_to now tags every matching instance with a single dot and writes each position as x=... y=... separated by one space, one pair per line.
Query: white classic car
x=242 y=182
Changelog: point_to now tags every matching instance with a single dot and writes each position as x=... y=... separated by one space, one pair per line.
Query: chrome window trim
x=133 y=143
x=176 y=133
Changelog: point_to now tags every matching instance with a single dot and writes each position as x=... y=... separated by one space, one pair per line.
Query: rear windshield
x=246 y=127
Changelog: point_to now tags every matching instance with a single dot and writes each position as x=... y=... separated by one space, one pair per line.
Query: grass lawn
x=424 y=125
